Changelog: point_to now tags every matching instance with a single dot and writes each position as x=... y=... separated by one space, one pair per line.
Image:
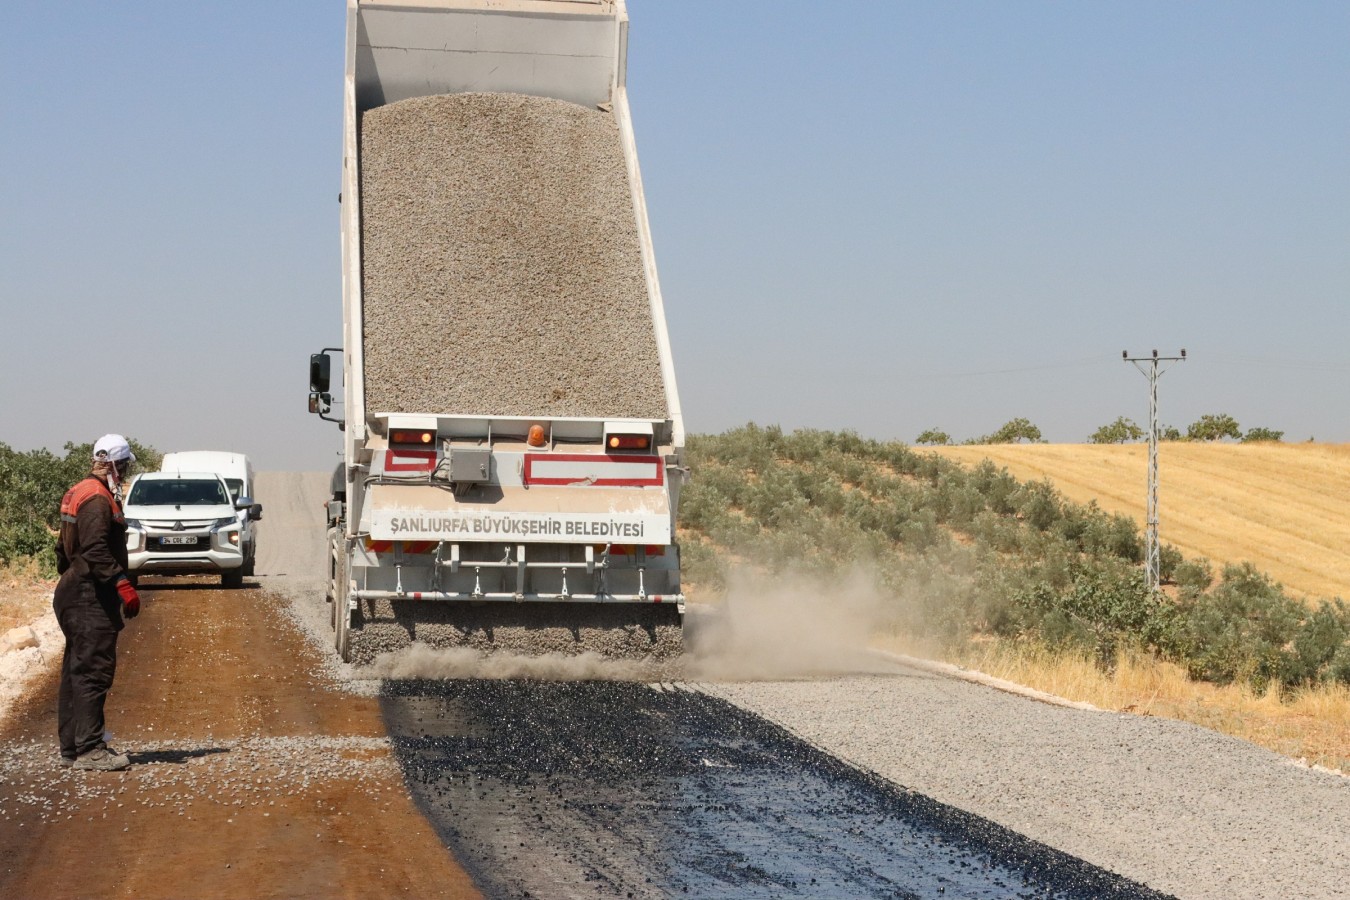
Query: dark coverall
x=91 y=556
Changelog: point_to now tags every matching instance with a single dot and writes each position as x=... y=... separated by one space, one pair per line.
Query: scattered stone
x=19 y=638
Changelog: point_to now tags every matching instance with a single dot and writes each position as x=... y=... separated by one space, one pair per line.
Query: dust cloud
x=765 y=628
x=781 y=627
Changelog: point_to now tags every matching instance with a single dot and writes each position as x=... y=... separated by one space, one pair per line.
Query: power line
x=1074 y=364
x=1227 y=359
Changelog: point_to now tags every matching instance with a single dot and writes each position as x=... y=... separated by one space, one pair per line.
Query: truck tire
x=248 y=561
x=342 y=616
x=232 y=579
x=330 y=589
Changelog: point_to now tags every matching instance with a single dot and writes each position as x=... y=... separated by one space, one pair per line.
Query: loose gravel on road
x=1182 y=809
x=502 y=270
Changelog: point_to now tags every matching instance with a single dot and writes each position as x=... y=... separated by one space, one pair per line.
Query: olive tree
x=934 y=436
x=1014 y=431
x=1213 y=428
x=1120 y=431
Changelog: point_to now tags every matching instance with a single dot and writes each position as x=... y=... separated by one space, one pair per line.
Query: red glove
x=131 y=601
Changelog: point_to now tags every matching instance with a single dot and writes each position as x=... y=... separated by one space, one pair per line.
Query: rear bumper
x=676 y=600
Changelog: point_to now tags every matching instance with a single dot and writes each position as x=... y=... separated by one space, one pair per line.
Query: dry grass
x=1282 y=507
x=1312 y=725
x=24 y=595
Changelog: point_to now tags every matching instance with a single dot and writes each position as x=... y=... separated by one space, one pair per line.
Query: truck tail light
x=629 y=441
x=415 y=437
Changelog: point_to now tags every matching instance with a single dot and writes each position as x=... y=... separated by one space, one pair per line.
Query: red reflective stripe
x=409 y=460
x=626 y=549
x=380 y=546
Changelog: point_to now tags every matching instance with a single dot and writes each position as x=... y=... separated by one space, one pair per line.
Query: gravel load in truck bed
x=502 y=271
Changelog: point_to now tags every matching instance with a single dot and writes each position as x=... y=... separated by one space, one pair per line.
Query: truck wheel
x=134 y=579
x=342 y=616
x=330 y=590
x=232 y=579
x=248 y=561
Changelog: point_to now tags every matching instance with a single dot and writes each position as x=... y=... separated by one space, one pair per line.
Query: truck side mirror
x=320 y=372
x=255 y=512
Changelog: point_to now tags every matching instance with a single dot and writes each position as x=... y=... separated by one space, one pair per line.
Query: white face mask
x=117 y=471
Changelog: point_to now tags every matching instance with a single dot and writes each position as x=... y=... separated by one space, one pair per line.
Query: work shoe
x=67 y=761
x=102 y=759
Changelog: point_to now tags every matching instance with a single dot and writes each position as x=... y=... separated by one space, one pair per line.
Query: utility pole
x=1149 y=366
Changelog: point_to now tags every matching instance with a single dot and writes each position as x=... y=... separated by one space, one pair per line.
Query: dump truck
x=512 y=435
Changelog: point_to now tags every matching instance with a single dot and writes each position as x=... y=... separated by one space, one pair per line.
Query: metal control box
x=470 y=465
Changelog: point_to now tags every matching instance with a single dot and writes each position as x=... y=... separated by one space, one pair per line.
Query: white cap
x=114 y=447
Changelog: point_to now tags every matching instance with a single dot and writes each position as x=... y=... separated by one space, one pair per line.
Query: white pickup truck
x=184 y=523
x=237 y=472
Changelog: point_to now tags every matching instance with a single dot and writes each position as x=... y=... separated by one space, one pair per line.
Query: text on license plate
x=178 y=539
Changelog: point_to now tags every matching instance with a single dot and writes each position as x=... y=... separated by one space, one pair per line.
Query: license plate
x=178 y=539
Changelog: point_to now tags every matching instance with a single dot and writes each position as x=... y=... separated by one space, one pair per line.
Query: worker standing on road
x=91 y=598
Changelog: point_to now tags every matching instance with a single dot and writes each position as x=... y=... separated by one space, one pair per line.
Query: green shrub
x=969 y=551
x=31 y=487
x=1193 y=577
x=1242 y=630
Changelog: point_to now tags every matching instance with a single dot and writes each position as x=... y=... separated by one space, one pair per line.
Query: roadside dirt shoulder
x=250 y=777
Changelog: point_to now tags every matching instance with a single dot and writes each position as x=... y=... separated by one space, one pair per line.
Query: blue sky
x=878 y=216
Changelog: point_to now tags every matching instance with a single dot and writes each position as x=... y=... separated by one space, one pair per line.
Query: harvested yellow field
x=1283 y=507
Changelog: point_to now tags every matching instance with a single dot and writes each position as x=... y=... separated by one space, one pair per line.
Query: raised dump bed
x=501 y=265
x=513 y=436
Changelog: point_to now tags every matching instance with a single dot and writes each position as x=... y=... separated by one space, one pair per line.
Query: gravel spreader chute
x=512 y=429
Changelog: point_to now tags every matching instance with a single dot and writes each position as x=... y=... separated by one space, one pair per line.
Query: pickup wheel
x=232 y=579
x=248 y=562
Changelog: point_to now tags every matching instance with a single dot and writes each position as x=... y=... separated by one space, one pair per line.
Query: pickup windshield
x=178 y=492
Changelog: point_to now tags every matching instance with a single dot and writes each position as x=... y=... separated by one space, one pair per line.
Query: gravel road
x=1178 y=809
x=1182 y=809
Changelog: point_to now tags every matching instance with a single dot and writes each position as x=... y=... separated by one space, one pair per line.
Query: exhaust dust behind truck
x=512 y=428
